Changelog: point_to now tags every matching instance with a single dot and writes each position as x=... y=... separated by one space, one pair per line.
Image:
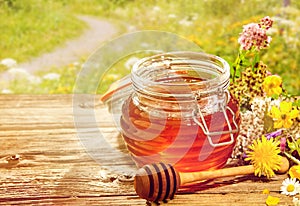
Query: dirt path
x=98 y=32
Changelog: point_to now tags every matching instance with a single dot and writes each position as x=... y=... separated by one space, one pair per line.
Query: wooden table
x=52 y=153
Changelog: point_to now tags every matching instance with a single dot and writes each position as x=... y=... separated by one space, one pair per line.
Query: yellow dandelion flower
x=272 y=85
x=266 y=191
x=283 y=116
x=264 y=156
x=271 y=200
x=294 y=171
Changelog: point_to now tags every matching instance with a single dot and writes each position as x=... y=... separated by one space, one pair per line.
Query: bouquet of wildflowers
x=270 y=116
x=267 y=109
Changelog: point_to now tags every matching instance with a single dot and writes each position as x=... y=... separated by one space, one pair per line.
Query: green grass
x=36 y=26
x=31 y=27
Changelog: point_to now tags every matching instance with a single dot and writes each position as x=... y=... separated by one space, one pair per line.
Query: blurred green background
x=212 y=24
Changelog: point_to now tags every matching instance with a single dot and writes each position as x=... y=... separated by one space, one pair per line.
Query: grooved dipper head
x=156 y=182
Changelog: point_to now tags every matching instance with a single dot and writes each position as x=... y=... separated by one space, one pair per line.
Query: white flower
x=194 y=16
x=296 y=201
x=185 y=22
x=18 y=73
x=272 y=31
x=275 y=103
x=172 y=16
x=130 y=62
x=8 y=62
x=6 y=91
x=290 y=186
x=34 y=79
x=156 y=8
x=22 y=74
x=76 y=64
x=51 y=76
x=284 y=22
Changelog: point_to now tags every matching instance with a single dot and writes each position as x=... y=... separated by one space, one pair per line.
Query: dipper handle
x=212 y=174
x=159 y=182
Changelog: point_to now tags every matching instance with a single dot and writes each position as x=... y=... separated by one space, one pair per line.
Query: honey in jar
x=180 y=112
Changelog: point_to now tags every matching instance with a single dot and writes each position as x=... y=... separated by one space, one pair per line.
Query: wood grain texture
x=65 y=150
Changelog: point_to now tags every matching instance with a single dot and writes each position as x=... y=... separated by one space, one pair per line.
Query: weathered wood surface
x=50 y=155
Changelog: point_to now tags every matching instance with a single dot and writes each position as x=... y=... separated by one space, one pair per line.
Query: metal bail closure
x=209 y=134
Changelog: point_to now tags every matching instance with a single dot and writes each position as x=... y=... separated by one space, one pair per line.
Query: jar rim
x=212 y=66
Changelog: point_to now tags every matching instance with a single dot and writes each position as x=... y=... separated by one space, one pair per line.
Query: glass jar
x=180 y=112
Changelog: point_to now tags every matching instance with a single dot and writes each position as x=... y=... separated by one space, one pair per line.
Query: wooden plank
x=191 y=200
x=50 y=157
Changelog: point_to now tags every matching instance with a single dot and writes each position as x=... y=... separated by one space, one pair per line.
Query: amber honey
x=179 y=141
x=174 y=115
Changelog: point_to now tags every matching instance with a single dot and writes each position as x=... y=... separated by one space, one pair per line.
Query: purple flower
x=254 y=35
x=274 y=134
x=282 y=139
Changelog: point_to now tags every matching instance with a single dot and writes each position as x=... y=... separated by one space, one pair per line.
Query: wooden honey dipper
x=159 y=182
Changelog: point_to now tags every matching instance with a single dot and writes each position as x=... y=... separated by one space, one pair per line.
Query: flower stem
x=236 y=65
x=295 y=160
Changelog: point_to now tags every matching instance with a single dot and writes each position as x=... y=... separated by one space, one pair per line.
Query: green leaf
x=268 y=123
x=291 y=145
x=255 y=60
x=294 y=145
x=296 y=103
